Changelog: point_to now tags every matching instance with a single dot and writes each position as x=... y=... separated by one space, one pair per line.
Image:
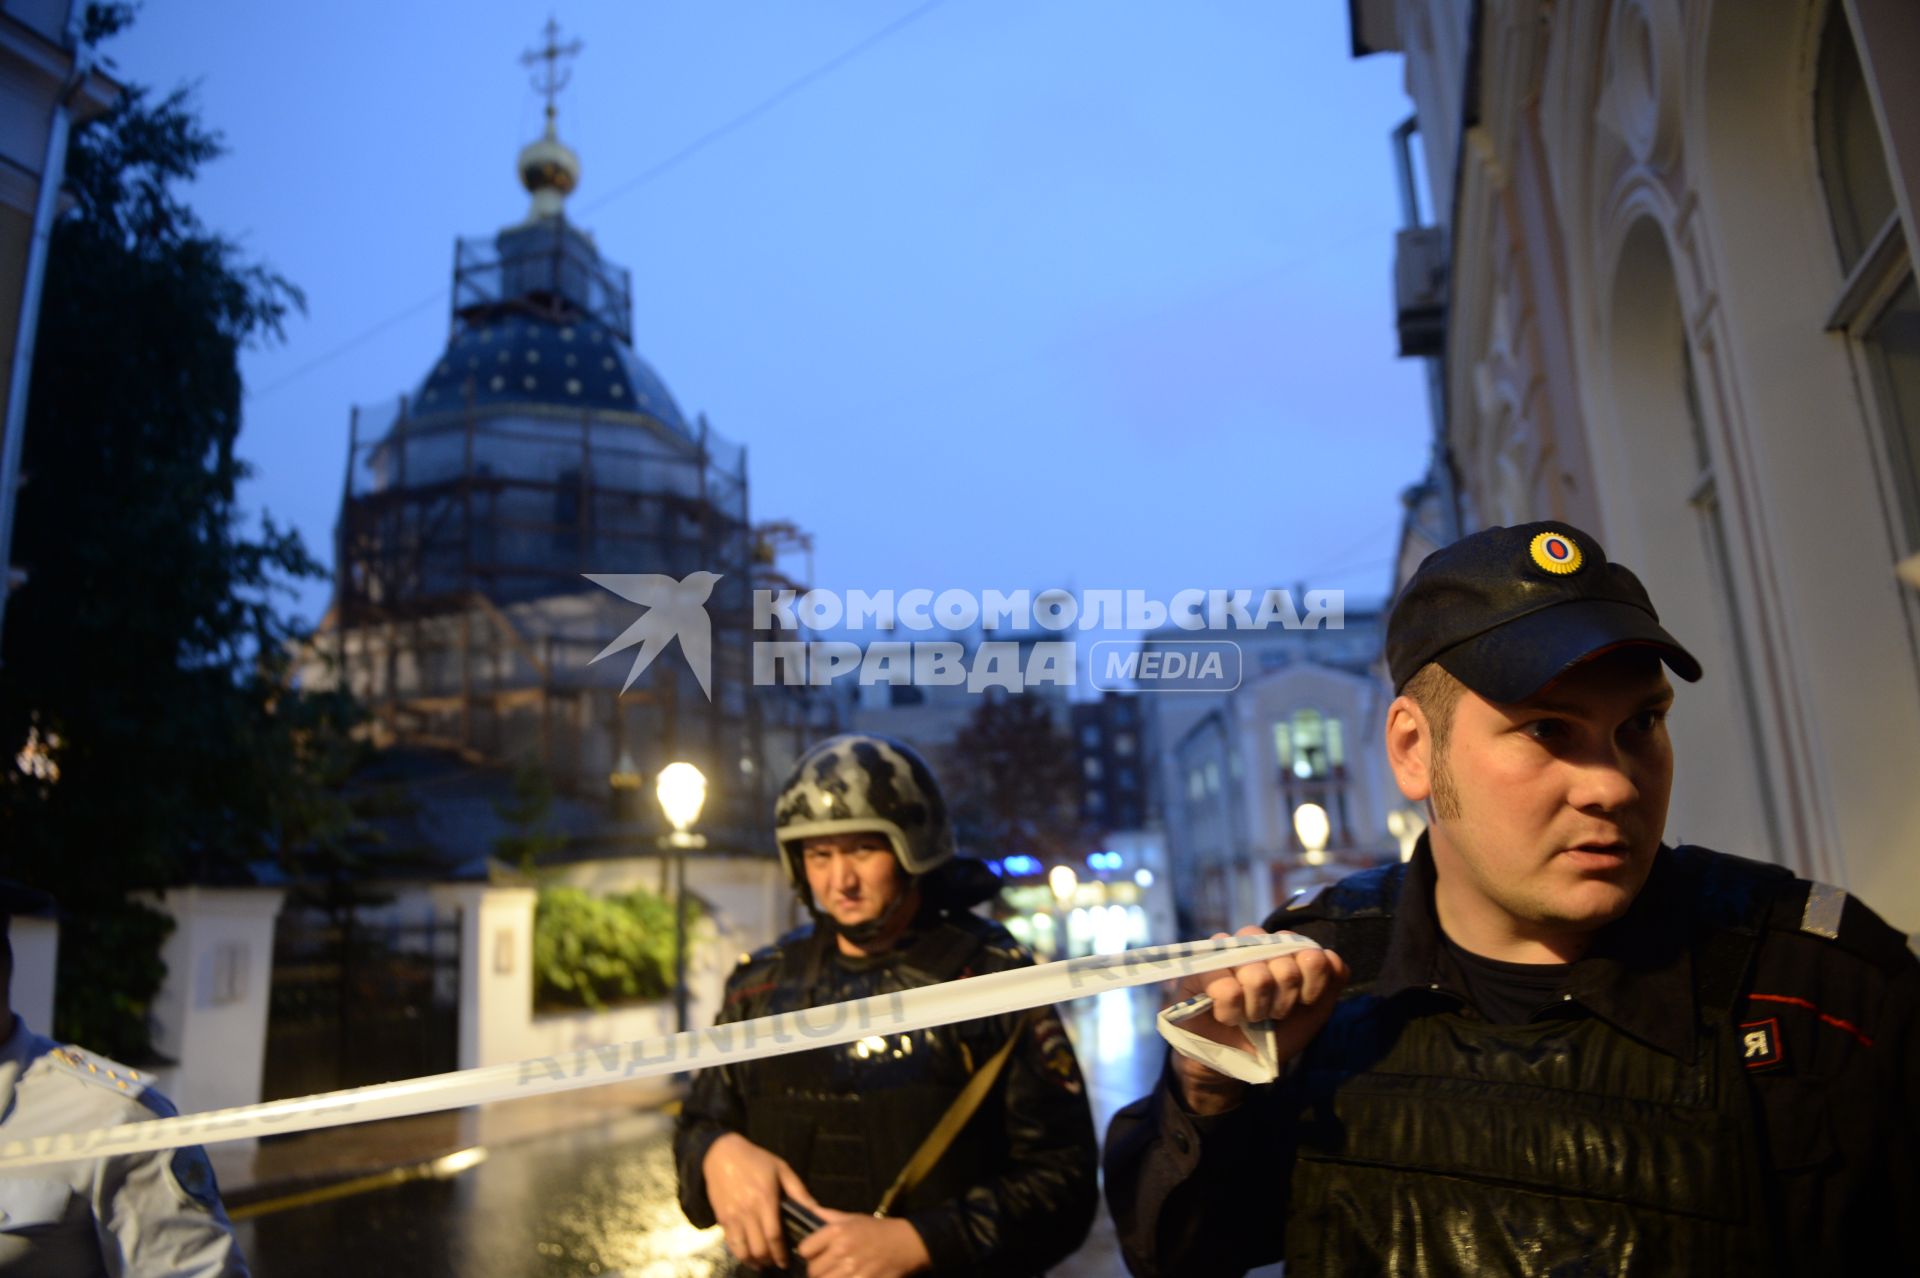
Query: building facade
x=1680 y=311
x=48 y=84
x=1113 y=772
x=1305 y=726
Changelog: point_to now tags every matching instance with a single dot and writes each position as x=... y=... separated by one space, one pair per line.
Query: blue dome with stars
x=519 y=359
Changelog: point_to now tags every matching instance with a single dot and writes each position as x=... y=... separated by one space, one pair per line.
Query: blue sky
x=1029 y=292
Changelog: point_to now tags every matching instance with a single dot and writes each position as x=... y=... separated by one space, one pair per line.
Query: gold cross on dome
x=552 y=78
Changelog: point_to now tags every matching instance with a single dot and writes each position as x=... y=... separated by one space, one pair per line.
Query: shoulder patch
x=741 y=993
x=1821 y=914
x=98 y=1069
x=193 y=1174
x=1057 y=1061
x=1760 y=1043
x=110 y=1076
x=1841 y=919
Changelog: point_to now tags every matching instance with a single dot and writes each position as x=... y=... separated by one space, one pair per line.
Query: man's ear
x=1410 y=748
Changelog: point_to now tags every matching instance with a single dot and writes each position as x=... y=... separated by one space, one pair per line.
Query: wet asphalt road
x=601 y=1200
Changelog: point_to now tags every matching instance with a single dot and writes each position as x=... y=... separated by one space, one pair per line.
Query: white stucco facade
x=1662 y=328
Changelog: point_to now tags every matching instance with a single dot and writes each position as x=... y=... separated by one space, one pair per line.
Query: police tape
x=969 y=998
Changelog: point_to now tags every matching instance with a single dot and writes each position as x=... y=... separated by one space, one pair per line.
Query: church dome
x=540 y=318
x=515 y=358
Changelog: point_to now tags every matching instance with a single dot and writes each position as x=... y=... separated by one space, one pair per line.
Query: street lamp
x=682 y=791
x=1311 y=824
x=1064 y=883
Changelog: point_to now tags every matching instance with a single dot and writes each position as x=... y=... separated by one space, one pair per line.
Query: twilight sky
x=1091 y=293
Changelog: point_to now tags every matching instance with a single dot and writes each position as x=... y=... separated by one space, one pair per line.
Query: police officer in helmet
x=863 y=831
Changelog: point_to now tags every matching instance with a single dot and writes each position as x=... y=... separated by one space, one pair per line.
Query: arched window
x=1878 y=306
x=1853 y=168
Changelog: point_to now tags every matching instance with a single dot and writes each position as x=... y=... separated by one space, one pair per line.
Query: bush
x=590 y=951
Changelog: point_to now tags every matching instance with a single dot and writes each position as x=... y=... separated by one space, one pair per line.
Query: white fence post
x=496 y=968
x=36 y=952
x=211 y=1012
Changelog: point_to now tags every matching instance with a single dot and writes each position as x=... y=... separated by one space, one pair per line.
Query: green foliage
x=591 y=951
x=526 y=813
x=151 y=637
x=106 y=989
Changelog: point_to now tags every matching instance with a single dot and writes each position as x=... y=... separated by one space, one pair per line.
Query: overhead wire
x=731 y=125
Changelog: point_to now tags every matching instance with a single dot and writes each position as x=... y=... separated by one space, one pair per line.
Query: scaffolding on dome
x=462 y=617
x=547 y=267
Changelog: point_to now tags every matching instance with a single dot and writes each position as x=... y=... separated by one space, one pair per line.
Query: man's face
x=853 y=877
x=1561 y=799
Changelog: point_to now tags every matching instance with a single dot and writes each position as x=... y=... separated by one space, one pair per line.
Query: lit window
x=1318 y=745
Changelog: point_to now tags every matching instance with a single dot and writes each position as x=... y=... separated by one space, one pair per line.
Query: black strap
x=954 y=1120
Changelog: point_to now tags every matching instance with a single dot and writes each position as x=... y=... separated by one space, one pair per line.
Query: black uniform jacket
x=1782 y=1129
x=1017 y=1190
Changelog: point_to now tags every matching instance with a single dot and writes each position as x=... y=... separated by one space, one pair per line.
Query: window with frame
x=1878 y=308
x=1310 y=745
x=1705 y=500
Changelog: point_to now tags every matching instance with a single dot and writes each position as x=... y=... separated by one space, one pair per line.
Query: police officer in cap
x=864 y=833
x=1550 y=1043
x=151 y=1215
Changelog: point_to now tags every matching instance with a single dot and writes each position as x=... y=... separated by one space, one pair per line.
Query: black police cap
x=1508 y=610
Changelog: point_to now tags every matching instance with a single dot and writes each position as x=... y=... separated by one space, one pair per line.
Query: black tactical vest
x=1434 y=1143
x=848 y=1118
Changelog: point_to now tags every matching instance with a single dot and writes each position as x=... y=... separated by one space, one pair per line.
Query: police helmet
x=860 y=782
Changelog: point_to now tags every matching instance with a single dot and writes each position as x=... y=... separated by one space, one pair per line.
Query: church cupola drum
x=537 y=313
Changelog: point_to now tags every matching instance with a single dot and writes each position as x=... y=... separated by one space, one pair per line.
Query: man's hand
x=855 y=1246
x=744 y=1185
x=1296 y=992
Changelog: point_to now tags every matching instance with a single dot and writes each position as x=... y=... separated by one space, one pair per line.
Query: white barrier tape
x=1261 y=1066
x=967 y=999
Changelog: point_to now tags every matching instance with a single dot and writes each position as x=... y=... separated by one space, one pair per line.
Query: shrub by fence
x=593 y=951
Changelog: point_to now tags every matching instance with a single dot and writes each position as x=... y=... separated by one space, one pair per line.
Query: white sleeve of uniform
x=159 y=1216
